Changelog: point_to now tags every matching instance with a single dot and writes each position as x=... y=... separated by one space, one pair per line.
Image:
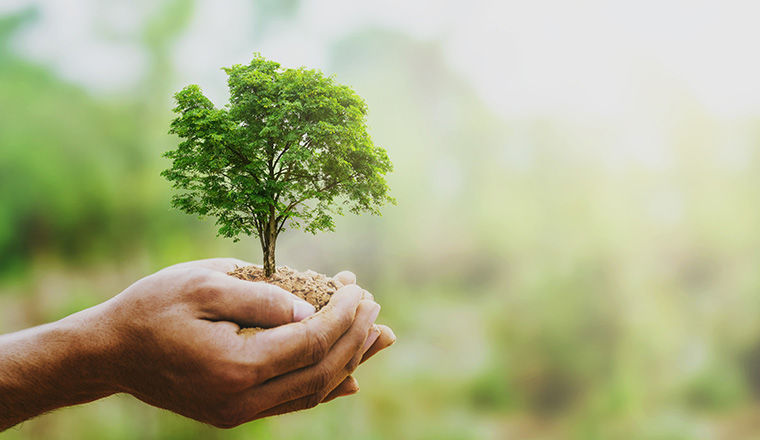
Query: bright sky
x=585 y=58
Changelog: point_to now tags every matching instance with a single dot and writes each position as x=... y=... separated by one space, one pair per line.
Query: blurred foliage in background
x=575 y=248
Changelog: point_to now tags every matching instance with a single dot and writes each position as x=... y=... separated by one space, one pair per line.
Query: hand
x=181 y=350
x=171 y=339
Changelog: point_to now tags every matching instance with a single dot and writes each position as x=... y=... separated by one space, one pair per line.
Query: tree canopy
x=291 y=149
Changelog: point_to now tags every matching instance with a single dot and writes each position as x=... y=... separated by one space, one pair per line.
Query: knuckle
x=312 y=400
x=204 y=287
x=320 y=380
x=353 y=364
x=344 y=320
x=195 y=276
x=278 y=303
x=319 y=345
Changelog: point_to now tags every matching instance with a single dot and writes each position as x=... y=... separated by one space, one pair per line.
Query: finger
x=348 y=387
x=367 y=295
x=250 y=304
x=305 y=402
x=385 y=340
x=346 y=277
x=225 y=265
x=283 y=349
x=306 y=387
x=216 y=264
x=374 y=333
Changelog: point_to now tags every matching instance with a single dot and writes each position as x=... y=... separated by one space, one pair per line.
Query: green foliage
x=64 y=158
x=290 y=145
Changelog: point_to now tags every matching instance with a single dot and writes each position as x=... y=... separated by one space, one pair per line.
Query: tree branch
x=279 y=156
x=280 y=225
x=283 y=215
x=244 y=159
x=237 y=153
x=289 y=169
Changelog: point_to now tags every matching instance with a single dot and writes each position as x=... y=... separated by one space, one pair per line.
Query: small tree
x=291 y=149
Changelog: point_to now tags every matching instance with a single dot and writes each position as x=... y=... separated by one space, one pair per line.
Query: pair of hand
x=171 y=340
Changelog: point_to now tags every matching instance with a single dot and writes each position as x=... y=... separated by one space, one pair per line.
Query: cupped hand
x=175 y=343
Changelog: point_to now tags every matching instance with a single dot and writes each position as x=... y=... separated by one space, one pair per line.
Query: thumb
x=346 y=277
x=255 y=304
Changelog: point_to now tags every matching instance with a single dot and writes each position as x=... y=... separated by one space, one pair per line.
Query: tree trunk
x=269 y=264
x=268 y=244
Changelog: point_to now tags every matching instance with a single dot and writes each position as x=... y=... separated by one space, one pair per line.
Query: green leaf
x=290 y=145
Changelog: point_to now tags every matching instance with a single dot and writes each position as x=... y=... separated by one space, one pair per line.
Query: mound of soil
x=312 y=287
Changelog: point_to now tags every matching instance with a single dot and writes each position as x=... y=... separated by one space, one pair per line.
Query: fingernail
x=375 y=312
x=302 y=310
x=391 y=335
x=373 y=335
x=367 y=295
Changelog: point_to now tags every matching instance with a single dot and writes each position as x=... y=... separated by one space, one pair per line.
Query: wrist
x=93 y=350
x=51 y=366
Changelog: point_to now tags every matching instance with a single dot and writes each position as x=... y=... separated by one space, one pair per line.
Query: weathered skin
x=171 y=340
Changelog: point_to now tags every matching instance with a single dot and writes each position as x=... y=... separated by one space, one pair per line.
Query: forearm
x=50 y=366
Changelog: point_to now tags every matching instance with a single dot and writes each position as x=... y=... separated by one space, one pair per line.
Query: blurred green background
x=575 y=250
